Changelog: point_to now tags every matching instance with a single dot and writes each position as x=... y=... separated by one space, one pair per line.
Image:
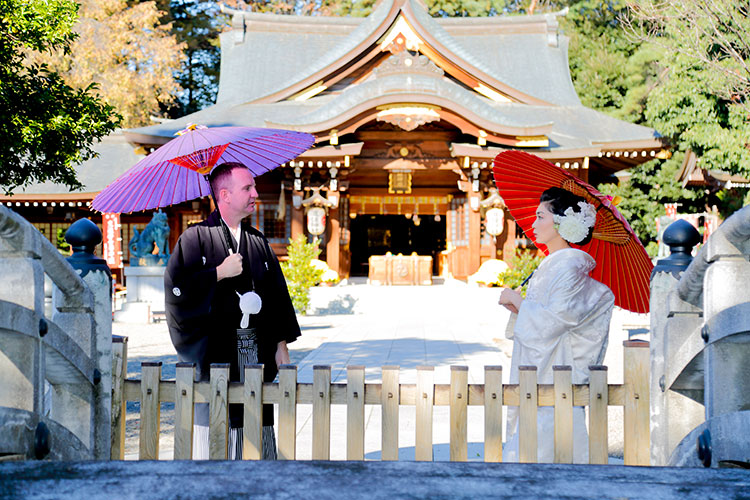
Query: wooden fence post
x=493 y=413
x=459 y=401
x=424 y=402
x=119 y=374
x=149 y=438
x=288 y=412
x=527 y=428
x=321 y=441
x=183 y=411
x=636 y=415
x=218 y=422
x=563 y=414
x=355 y=412
x=252 y=425
x=598 y=421
x=390 y=400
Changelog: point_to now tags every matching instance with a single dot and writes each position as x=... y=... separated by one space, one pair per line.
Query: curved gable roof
x=264 y=52
x=296 y=54
x=506 y=57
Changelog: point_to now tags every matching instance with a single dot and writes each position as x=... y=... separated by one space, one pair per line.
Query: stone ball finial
x=681 y=237
x=83 y=236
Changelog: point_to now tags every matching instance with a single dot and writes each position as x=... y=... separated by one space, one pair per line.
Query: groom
x=204 y=276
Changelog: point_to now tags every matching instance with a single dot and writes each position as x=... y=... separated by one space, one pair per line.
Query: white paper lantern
x=494 y=221
x=316 y=221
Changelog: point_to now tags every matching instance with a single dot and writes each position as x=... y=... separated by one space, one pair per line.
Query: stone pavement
x=451 y=323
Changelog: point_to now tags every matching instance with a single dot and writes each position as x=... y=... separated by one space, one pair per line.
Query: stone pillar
x=671 y=321
x=83 y=236
x=726 y=313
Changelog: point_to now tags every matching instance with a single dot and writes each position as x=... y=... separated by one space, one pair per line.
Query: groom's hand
x=231 y=267
x=282 y=354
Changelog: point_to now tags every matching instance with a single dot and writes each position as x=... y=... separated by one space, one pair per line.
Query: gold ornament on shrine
x=399 y=182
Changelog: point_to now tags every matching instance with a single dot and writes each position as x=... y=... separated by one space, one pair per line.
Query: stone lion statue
x=155 y=235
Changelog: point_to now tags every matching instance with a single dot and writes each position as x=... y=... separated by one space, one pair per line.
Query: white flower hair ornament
x=574 y=226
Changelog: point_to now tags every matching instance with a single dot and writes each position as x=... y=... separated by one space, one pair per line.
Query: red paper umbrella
x=621 y=261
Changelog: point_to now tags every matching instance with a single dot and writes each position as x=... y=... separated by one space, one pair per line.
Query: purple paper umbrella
x=176 y=171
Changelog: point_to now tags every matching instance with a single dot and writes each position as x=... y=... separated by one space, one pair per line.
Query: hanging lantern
x=494 y=221
x=316 y=221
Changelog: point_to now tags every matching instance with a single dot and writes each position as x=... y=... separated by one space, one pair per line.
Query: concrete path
x=447 y=324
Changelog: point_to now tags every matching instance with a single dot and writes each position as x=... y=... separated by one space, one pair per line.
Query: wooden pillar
x=332 y=247
x=508 y=238
x=475 y=219
x=298 y=218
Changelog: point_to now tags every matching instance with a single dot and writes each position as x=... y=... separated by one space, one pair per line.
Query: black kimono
x=203 y=315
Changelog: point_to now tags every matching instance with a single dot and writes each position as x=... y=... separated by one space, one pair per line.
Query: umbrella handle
x=526 y=280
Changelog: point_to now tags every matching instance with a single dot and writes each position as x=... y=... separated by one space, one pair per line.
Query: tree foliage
x=299 y=271
x=47 y=126
x=126 y=50
x=635 y=67
x=196 y=25
x=711 y=36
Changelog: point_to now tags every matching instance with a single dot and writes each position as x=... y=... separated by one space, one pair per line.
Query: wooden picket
x=563 y=414
x=183 y=411
x=355 y=413
x=390 y=395
x=288 y=412
x=119 y=374
x=424 y=403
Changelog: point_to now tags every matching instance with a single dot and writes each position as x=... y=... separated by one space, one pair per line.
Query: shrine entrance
x=404 y=234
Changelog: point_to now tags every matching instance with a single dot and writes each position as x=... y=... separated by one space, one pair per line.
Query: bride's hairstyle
x=559 y=200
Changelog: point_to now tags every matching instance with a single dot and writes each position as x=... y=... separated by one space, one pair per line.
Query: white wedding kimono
x=564 y=320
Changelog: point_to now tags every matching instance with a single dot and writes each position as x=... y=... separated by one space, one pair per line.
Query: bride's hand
x=510 y=299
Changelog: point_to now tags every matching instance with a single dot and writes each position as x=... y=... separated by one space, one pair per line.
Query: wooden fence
x=287 y=393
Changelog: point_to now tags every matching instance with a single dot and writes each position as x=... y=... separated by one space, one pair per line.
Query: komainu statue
x=155 y=237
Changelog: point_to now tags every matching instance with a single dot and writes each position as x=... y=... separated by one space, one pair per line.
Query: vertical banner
x=112 y=245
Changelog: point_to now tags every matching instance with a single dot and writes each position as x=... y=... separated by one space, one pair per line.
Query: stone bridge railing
x=700 y=347
x=55 y=372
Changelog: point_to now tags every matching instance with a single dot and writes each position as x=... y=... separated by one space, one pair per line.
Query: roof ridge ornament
x=405 y=62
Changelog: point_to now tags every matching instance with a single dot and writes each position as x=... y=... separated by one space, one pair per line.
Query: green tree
x=127 y=52
x=655 y=83
x=610 y=72
x=299 y=272
x=47 y=126
x=196 y=25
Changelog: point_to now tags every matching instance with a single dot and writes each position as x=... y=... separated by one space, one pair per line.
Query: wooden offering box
x=400 y=269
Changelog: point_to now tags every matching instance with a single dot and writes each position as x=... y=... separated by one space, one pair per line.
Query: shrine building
x=408 y=112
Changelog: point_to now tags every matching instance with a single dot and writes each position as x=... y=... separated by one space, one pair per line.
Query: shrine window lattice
x=459 y=222
x=266 y=220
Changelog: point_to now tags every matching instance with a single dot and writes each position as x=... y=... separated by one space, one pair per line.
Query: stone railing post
x=726 y=306
x=668 y=319
x=21 y=356
x=83 y=236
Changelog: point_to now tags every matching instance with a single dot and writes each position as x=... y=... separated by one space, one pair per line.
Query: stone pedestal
x=145 y=296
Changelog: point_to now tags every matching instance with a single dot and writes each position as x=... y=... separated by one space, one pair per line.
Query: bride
x=564 y=319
